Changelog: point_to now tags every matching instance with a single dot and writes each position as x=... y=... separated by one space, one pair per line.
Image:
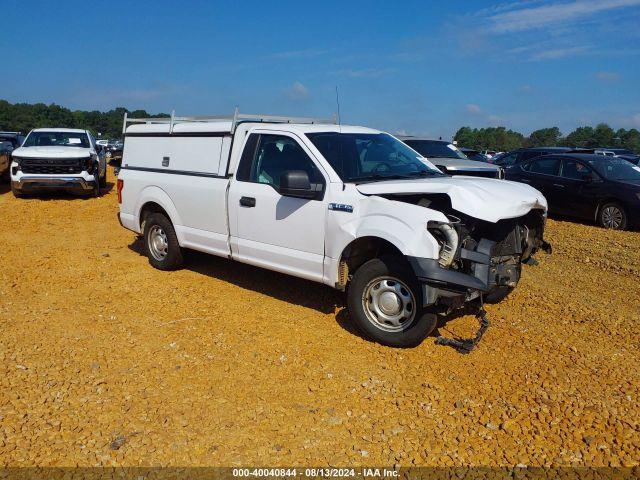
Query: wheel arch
x=153 y=199
x=361 y=250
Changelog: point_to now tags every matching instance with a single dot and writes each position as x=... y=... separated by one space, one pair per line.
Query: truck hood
x=461 y=164
x=52 y=152
x=483 y=198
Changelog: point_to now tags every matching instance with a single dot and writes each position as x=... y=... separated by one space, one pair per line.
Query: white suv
x=58 y=158
x=350 y=207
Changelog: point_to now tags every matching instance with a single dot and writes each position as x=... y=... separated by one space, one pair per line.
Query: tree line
x=501 y=139
x=22 y=117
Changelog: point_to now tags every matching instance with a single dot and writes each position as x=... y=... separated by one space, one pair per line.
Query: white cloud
x=474 y=108
x=607 y=76
x=551 y=15
x=297 y=91
x=557 y=53
x=525 y=89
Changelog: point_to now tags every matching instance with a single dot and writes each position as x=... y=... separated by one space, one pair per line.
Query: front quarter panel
x=402 y=224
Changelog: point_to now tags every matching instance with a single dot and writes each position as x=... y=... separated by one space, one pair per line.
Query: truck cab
x=351 y=207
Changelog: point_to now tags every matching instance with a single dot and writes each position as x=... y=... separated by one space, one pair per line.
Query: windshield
x=57 y=139
x=361 y=157
x=432 y=149
x=613 y=168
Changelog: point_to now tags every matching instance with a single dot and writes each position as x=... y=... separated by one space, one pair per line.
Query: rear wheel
x=612 y=215
x=385 y=303
x=161 y=243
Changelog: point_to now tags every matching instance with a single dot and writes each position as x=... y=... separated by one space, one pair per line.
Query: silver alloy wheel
x=158 y=243
x=612 y=217
x=389 y=304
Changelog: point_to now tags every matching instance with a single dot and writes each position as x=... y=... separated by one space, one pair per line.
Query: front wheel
x=612 y=215
x=161 y=243
x=103 y=179
x=385 y=303
x=16 y=192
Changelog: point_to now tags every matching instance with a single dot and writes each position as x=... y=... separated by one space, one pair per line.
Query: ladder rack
x=235 y=119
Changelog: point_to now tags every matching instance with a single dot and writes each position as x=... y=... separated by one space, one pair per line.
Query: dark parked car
x=472 y=154
x=515 y=157
x=450 y=160
x=9 y=141
x=595 y=187
x=625 y=153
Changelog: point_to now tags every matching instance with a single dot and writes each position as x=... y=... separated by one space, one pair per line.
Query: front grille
x=49 y=166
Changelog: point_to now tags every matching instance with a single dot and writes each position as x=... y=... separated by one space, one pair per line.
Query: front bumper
x=32 y=183
x=486 y=274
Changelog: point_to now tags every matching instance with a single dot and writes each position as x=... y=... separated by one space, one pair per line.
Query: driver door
x=271 y=230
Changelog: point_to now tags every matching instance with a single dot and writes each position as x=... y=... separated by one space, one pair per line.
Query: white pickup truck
x=350 y=207
x=58 y=158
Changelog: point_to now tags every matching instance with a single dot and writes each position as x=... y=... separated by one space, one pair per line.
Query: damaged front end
x=478 y=258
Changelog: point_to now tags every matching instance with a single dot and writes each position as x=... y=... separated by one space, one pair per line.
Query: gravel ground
x=107 y=361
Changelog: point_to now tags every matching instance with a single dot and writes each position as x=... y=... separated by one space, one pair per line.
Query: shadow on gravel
x=47 y=195
x=284 y=287
x=586 y=223
x=273 y=284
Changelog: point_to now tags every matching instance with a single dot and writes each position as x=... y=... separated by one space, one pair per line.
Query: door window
x=272 y=156
x=545 y=166
x=508 y=160
x=575 y=170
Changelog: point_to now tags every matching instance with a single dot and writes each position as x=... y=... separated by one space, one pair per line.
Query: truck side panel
x=188 y=183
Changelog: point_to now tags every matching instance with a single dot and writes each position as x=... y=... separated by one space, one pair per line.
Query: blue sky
x=418 y=67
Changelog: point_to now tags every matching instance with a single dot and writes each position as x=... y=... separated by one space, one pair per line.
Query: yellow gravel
x=107 y=361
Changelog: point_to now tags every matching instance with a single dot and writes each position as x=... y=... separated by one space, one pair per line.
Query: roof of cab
x=225 y=126
x=68 y=130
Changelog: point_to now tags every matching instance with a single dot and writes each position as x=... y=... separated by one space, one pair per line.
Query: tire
x=612 y=215
x=6 y=176
x=161 y=243
x=498 y=294
x=103 y=180
x=16 y=192
x=406 y=325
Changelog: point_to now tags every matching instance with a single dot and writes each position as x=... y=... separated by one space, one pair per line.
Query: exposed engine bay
x=477 y=257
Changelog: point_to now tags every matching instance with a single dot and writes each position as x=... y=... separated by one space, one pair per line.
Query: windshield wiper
x=377 y=176
x=422 y=173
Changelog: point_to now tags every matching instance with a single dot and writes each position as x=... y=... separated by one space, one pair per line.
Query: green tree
x=24 y=117
x=492 y=138
x=580 y=137
x=603 y=136
x=545 y=137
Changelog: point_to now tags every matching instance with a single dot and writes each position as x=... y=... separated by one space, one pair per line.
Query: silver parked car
x=448 y=158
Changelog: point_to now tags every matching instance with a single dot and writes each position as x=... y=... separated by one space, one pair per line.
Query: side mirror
x=295 y=183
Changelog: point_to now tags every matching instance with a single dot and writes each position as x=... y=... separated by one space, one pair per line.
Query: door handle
x=526 y=180
x=248 y=202
x=558 y=185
